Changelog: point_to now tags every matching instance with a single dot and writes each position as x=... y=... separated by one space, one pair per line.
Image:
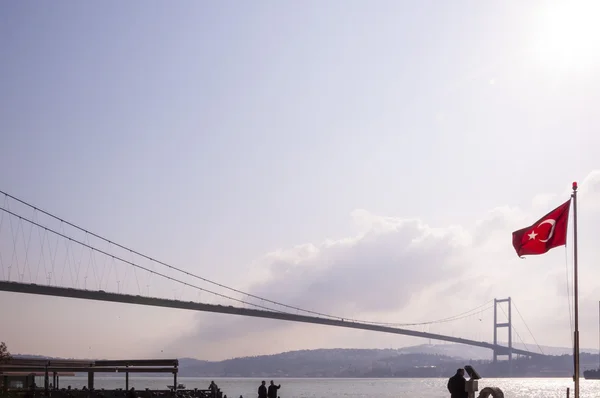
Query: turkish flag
x=548 y=232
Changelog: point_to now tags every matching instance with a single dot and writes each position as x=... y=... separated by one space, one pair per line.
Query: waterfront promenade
x=108 y=393
x=29 y=378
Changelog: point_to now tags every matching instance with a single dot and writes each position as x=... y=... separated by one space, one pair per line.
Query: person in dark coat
x=131 y=393
x=457 y=384
x=272 y=393
x=262 y=390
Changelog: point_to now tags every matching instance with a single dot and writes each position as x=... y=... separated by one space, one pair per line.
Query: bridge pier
x=501 y=325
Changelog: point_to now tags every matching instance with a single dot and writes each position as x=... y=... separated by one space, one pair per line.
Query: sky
x=367 y=160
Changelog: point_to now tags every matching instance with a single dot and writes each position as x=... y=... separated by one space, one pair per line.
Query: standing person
x=213 y=389
x=262 y=390
x=273 y=390
x=457 y=385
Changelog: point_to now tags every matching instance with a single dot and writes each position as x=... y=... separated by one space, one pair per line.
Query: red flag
x=547 y=233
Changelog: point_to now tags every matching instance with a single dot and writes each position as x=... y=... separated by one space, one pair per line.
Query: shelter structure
x=23 y=372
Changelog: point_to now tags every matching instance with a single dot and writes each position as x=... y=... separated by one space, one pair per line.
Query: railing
x=147 y=393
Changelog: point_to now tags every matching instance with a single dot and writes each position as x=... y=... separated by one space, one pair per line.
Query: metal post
x=575 y=293
x=175 y=381
x=126 y=378
x=46 y=380
x=509 y=338
x=90 y=380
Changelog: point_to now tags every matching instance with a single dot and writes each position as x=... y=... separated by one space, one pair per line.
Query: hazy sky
x=368 y=159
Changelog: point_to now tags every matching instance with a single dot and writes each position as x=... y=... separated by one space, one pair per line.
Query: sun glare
x=568 y=34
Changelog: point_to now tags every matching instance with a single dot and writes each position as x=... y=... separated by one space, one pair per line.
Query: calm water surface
x=365 y=388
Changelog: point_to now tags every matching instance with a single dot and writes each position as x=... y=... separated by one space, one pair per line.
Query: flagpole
x=575 y=293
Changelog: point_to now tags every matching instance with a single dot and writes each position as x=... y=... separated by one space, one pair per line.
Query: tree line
x=4 y=353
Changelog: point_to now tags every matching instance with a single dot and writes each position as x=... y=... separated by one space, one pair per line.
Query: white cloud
x=398 y=270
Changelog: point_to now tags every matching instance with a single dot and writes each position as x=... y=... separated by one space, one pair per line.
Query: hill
x=416 y=361
x=315 y=363
x=470 y=352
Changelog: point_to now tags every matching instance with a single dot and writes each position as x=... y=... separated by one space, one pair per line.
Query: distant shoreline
x=425 y=362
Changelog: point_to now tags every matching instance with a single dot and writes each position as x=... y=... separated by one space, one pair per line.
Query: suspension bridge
x=42 y=254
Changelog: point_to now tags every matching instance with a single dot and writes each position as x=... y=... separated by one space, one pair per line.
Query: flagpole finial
x=574 y=185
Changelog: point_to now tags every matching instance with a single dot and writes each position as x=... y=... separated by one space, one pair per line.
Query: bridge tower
x=507 y=324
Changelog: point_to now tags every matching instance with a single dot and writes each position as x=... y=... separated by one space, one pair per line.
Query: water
x=348 y=388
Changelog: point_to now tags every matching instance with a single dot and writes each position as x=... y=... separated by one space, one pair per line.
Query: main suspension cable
x=443 y=320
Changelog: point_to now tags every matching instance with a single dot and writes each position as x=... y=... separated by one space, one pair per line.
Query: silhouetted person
x=213 y=389
x=131 y=393
x=457 y=385
x=272 y=393
x=262 y=390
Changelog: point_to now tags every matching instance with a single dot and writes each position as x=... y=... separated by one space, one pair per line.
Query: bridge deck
x=17 y=287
